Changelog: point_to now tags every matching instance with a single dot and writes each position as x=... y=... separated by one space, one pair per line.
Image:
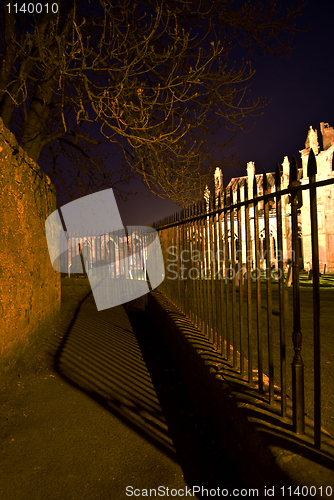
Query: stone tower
x=312 y=141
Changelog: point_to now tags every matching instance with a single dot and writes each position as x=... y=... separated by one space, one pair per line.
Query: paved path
x=96 y=406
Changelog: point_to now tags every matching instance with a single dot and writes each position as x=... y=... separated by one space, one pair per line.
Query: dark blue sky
x=302 y=93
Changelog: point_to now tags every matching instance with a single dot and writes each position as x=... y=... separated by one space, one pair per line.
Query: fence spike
x=246 y=189
x=311 y=164
x=238 y=193
x=265 y=183
x=254 y=186
x=278 y=176
x=230 y=197
x=227 y=200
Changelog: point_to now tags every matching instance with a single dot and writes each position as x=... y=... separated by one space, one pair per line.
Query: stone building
x=325 y=203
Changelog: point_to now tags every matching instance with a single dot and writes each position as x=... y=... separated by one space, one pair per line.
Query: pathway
x=98 y=406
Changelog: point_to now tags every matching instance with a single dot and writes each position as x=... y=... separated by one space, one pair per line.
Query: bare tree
x=154 y=79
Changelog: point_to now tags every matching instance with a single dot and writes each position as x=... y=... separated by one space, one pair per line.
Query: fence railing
x=223 y=265
x=120 y=253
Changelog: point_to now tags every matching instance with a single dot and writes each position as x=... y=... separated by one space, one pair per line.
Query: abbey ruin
x=325 y=202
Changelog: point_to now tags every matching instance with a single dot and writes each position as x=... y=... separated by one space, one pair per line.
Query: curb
x=259 y=441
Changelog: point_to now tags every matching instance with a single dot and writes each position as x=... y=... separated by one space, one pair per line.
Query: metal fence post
x=258 y=287
x=282 y=298
x=268 y=289
x=297 y=363
x=312 y=170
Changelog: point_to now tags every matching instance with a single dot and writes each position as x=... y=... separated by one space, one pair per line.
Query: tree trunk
x=32 y=140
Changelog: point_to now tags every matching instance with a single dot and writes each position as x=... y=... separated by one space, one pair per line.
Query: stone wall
x=30 y=289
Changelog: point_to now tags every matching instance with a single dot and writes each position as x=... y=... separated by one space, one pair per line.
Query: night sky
x=301 y=92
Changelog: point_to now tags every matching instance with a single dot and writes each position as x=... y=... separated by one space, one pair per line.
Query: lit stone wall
x=29 y=287
x=325 y=208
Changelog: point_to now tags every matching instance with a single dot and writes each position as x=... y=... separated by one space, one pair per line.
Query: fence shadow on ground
x=116 y=359
x=278 y=431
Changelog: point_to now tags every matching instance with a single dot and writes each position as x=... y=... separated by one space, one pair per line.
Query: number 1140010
x=31 y=8
x=305 y=491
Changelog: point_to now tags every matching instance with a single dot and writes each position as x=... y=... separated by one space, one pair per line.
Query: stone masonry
x=29 y=287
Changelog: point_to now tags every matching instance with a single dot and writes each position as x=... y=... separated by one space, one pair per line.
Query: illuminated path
x=107 y=410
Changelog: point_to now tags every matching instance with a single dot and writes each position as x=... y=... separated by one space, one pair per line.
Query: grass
x=307 y=352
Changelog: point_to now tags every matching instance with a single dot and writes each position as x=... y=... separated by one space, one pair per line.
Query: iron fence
x=119 y=254
x=223 y=267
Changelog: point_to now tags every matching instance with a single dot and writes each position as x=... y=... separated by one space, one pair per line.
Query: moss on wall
x=30 y=289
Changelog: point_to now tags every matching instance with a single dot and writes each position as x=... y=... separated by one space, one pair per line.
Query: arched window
x=110 y=257
x=137 y=260
x=86 y=255
x=272 y=245
x=110 y=245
